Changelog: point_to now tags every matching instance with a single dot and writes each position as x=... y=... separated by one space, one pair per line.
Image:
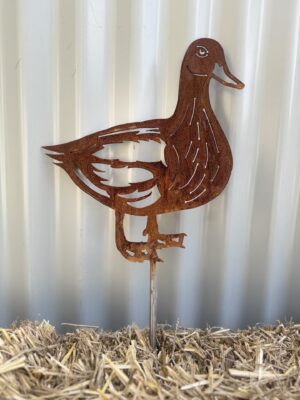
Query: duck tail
x=56 y=152
x=57 y=148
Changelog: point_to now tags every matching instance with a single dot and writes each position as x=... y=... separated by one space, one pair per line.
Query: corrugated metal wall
x=71 y=67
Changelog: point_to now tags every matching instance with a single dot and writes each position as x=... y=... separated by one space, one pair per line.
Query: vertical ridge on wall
x=292 y=302
x=37 y=124
x=69 y=68
x=241 y=188
x=273 y=83
x=3 y=203
x=67 y=197
x=15 y=268
x=214 y=238
x=97 y=103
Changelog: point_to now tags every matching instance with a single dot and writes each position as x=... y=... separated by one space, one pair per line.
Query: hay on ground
x=258 y=363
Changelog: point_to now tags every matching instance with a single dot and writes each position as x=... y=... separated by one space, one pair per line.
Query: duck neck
x=193 y=97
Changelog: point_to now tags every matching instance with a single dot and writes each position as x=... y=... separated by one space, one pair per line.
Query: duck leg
x=163 y=240
x=135 y=251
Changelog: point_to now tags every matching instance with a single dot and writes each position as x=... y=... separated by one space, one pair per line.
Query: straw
x=215 y=363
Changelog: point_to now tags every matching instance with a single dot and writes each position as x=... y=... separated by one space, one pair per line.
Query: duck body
x=193 y=164
x=196 y=167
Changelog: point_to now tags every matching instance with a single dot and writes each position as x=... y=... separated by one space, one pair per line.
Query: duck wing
x=123 y=165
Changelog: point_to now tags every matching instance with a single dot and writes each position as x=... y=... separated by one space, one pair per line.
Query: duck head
x=201 y=58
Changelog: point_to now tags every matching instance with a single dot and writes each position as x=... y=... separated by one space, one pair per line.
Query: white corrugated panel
x=72 y=67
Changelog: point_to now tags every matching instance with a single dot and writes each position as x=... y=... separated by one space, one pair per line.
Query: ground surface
x=258 y=363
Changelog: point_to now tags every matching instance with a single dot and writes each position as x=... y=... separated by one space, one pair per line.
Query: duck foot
x=165 y=240
x=140 y=251
x=170 y=240
x=143 y=251
x=135 y=251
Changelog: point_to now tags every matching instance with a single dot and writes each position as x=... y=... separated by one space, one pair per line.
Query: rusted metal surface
x=195 y=168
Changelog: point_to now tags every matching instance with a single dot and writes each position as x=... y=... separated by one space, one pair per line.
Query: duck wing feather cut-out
x=110 y=168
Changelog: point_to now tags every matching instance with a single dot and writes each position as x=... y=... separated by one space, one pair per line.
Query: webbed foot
x=168 y=240
x=139 y=251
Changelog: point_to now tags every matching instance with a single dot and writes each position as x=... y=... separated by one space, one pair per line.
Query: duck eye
x=201 y=52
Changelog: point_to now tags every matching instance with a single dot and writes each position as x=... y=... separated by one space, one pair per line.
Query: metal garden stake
x=195 y=168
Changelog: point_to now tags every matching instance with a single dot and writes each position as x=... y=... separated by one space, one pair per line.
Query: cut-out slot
x=188 y=150
x=196 y=197
x=121 y=177
x=206 y=161
x=195 y=156
x=215 y=174
x=192 y=176
x=211 y=130
x=147 y=151
x=193 y=111
x=198 y=130
x=147 y=197
x=89 y=184
x=199 y=184
x=136 y=131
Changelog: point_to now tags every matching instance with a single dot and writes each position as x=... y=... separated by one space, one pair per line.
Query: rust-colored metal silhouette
x=194 y=169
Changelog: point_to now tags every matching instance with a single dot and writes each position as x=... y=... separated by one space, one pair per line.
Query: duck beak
x=235 y=82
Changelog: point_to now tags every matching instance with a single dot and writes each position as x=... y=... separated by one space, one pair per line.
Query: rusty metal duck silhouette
x=194 y=169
